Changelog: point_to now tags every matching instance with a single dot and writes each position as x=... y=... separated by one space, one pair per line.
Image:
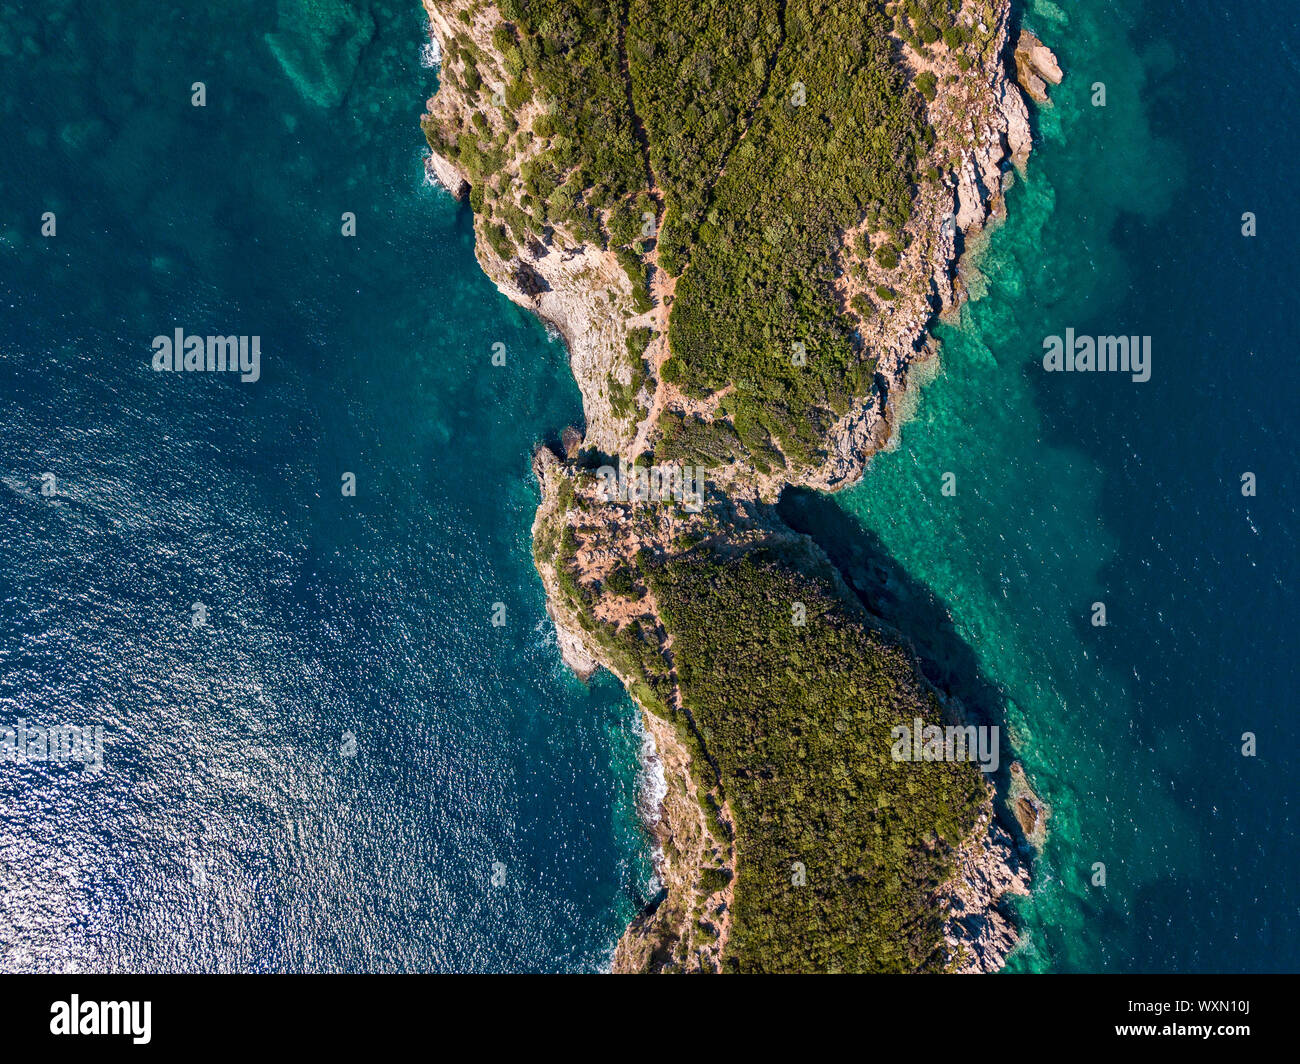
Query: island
x=744 y=217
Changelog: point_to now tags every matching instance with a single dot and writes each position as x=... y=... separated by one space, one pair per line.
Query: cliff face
x=575 y=286
x=484 y=129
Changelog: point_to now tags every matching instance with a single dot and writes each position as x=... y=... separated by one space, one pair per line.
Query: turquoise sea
x=347 y=765
x=1074 y=489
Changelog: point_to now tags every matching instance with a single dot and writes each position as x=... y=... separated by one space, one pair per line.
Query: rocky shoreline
x=989 y=868
x=990 y=121
x=682 y=835
x=982 y=134
x=583 y=293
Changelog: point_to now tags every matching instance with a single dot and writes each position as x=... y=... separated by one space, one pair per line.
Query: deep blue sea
x=485 y=818
x=347 y=765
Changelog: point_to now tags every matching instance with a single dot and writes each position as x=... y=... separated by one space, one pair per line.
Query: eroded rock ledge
x=989 y=869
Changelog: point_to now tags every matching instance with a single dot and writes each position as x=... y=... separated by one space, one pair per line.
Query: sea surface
x=484 y=817
x=347 y=765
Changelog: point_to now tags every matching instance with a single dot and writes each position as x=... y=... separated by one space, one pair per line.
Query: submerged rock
x=1031 y=811
x=571 y=441
x=318 y=45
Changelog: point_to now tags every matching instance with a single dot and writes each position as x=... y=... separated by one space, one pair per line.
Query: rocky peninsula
x=744 y=219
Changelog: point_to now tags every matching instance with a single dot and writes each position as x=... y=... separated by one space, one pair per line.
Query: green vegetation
x=841 y=848
x=738 y=141
x=697 y=68
x=622 y=397
x=836 y=135
x=621 y=582
x=735 y=145
x=572 y=51
x=797 y=719
x=924 y=22
x=636 y=276
x=637 y=341
x=694 y=441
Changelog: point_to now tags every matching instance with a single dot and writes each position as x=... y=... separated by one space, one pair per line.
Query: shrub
x=887 y=256
x=619 y=581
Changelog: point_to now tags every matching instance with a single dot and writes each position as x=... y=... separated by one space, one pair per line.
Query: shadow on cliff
x=916 y=613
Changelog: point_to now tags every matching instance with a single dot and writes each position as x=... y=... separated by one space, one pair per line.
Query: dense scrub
x=739 y=140
x=572 y=51
x=840 y=849
x=739 y=144
x=697 y=68
x=835 y=140
x=796 y=718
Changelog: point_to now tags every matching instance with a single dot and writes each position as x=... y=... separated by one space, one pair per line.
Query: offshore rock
x=1036 y=65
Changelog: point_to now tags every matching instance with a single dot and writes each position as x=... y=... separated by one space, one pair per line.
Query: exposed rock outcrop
x=1036 y=66
x=979 y=934
x=578 y=289
x=689 y=923
x=984 y=111
x=687 y=926
x=447 y=175
x=1031 y=812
